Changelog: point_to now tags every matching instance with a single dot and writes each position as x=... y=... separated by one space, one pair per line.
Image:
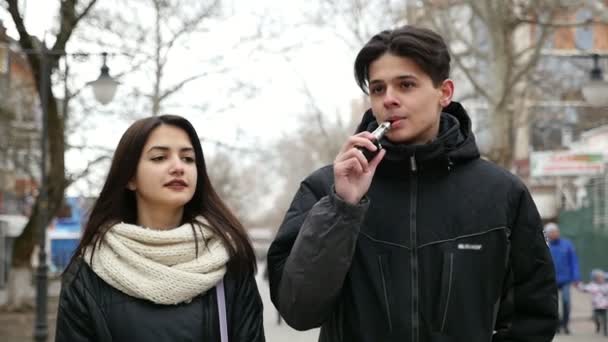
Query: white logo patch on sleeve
x=469 y=246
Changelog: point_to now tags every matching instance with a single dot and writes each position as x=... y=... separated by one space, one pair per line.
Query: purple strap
x=221 y=309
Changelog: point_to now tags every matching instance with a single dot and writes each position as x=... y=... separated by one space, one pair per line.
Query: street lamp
x=104 y=89
x=596 y=91
x=105 y=86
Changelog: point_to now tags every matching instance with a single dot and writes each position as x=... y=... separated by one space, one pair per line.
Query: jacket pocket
x=447 y=279
x=383 y=266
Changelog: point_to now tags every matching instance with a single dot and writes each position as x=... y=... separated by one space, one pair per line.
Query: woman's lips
x=177 y=185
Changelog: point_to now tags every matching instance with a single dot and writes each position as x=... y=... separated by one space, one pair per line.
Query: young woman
x=161 y=258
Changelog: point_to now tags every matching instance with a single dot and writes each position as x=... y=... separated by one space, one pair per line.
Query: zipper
x=414 y=251
x=447 y=302
x=386 y=302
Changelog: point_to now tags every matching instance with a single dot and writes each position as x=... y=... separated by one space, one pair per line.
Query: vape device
x=378 y=133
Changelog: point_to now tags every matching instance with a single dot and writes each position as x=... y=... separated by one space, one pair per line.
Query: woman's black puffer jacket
x=92 y=310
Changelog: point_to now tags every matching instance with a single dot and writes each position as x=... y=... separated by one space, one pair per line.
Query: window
x=583 y=34
x=538 y=29
x=4 y=59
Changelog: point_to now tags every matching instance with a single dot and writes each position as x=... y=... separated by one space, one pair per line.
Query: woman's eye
x=157 y=159
x=188 y=159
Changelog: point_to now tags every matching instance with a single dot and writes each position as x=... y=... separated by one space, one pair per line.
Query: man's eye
x=377 y=90
x=408 y=84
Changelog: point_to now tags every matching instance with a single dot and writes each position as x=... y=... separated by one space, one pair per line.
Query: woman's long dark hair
x=117 y=204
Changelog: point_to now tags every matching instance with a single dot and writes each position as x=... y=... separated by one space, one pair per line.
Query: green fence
x=587 y=227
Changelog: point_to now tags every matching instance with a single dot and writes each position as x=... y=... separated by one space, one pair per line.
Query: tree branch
x=72 y=178
x=456 y=57
x=179 y=85
x=221 y=144
x=191 y=25
x=533 y=61
x=69 y=20
x=558 y=24
x=25 y=39
x=86 y=11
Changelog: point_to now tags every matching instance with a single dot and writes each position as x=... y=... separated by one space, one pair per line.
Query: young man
x=426 y=241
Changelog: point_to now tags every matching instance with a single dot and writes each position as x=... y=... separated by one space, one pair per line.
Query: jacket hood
x=454 y=144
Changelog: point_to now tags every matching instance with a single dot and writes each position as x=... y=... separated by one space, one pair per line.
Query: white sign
x=566 y=163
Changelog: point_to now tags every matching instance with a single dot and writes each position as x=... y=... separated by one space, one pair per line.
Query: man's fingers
x=354 y=153
x=349 y=166
x=363 y=139
x=377 y=159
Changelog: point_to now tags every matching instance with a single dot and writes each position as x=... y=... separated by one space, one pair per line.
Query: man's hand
x=352 y=172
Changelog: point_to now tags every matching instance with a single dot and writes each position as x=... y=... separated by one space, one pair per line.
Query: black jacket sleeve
x=312 y=253
x=532 y=295
x=246 y=311
x=74 y=318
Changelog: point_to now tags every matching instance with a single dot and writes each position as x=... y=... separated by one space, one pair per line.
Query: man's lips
x=396 y=121
x=394 y=118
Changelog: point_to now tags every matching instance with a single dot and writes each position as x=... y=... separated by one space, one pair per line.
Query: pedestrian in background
x=566 y=270
x=162 y=258
x=598 y=288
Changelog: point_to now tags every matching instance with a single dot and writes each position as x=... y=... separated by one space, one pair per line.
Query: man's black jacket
x=444 y=247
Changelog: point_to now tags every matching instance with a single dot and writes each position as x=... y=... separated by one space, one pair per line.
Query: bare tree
x=316 y=142
x=18 y=133
x=157 y=45
x=159 y=61
x=492 y=47
x=70 y=14
x=495 y=45
x=240 y=179
x=354 y=21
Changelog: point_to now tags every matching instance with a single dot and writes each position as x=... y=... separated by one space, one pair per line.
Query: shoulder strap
x=221 y=309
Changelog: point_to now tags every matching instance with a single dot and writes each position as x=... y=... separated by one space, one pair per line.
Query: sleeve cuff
x=348 y=208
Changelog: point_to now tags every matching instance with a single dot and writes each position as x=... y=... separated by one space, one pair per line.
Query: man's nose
x=390 y=98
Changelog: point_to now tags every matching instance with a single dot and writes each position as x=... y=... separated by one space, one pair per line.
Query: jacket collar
x=454 y=144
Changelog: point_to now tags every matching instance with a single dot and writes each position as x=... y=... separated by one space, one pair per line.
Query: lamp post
x=105 y=86
x=104 y=89
x=596 y=91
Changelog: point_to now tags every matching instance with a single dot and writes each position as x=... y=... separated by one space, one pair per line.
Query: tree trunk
x=501 y=146
x=55 y=178
x=25 y=243
x=20 y=291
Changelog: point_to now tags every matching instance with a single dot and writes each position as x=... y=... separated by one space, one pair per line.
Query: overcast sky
x=323 y=63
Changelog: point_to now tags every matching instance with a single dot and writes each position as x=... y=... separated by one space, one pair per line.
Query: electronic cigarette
x=378 y=133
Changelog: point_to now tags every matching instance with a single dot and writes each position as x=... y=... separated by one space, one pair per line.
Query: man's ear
x=447 y=92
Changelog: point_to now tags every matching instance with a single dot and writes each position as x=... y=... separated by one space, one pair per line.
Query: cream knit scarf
x=159 y=265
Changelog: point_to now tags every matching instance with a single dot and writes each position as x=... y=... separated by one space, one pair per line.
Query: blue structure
x=64 y=238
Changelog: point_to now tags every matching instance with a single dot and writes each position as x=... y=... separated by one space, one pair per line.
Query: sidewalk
x=582 y=327
x=18 y=327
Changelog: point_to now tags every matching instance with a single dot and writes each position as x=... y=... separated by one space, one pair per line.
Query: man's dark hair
x=425 y=47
